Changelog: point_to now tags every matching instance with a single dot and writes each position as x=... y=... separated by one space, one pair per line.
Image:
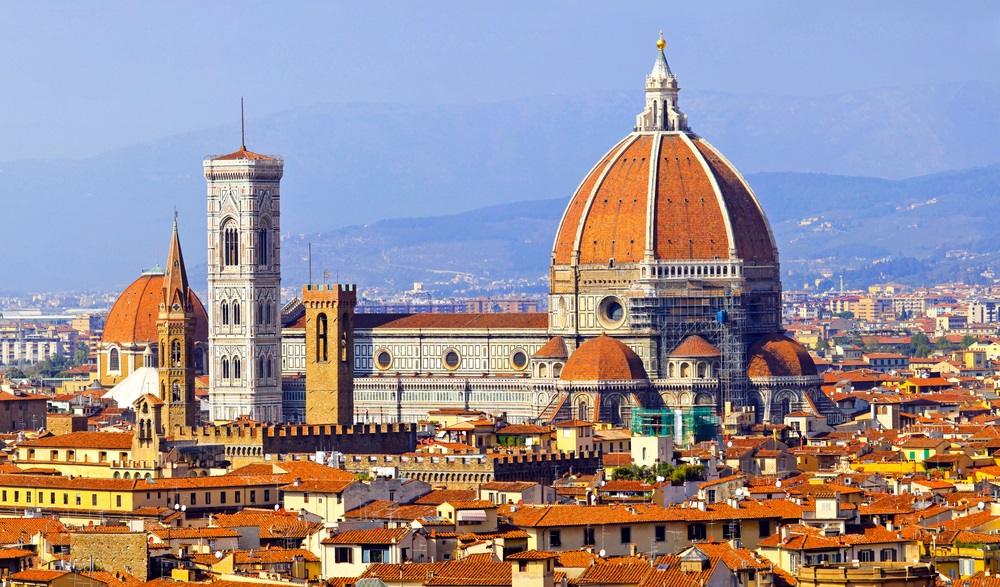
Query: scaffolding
x=716 y=314
x=687 y=426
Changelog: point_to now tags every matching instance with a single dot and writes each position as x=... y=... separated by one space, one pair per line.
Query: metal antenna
x=243 y=127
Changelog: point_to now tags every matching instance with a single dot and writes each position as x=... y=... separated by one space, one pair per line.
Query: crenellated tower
x=244 y=285
x=329 y=353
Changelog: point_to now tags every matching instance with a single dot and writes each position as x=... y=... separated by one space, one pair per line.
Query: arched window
x=267 y=312
x=175 y=353
x=260 y=312
x=236 y=368
x=685 y=369
x=224 y=313
x=225 y=367
x=702 y=370
x=230 y=244
x=176 y=392
x=114 y=361
x=267 y=366
x=264 y=244
x=260 y=367
x=321 y=339
x=236 y=313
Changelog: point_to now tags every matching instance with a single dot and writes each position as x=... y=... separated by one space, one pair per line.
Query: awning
x=472 y=515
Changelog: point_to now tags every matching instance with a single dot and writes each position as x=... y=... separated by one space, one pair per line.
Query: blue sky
x=84 y=78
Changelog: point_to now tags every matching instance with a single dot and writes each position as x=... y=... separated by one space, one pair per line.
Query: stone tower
x=244 y=285
x=329 y=353
x=175 y=332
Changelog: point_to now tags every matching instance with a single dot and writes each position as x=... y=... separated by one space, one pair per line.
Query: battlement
x=318 y=294
x=257 y=430
x=274 y=439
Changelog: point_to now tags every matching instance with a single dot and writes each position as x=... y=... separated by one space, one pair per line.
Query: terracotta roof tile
x=603 y=359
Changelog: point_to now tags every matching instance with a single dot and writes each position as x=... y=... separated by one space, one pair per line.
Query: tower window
x=236 y=368
x=114 y=361
x=225 y=367
x=267 y=366
x=224 y=312
x=236 y=313
x=263 y=245
x=260 y=312
x=175 y=353
x=230 y=244
x=321 y=339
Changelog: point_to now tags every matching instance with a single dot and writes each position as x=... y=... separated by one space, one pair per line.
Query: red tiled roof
x=373 y=536
x=242 y=153
x=108 y=440
x=133 y=316
x=513 y=320
x=695 y=346
x=554 y=349
x=603 y=359
x=775 y=355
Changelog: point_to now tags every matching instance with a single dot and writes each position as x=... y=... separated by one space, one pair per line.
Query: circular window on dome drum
x=611 y=312
x=451 y=359
x=519 y=359
x=383 y=359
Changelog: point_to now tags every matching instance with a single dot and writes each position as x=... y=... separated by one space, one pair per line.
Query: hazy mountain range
x=483 y=185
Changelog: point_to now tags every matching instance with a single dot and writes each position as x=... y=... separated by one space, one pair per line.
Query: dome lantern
x=661 y=112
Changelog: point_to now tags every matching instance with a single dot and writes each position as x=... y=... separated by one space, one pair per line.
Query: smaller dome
x=603 y=359
x=776 y=355
x=695 y=346
x=133 y=316
x=554 y=349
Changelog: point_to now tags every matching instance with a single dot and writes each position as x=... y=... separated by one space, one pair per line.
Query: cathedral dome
x=776 y=355
x=662 y=193
x=603 y=359
x=133 y=317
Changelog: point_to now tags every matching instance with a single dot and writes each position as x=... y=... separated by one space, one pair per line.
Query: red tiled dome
x=603 y=359
x=133 y=317
x=776 y=355
x=695 y=346
x=699 y=203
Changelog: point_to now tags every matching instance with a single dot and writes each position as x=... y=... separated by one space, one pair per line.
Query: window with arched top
x=267 y=313
x=224 y=313
x=264 y=244
x=260 y=312
x=236 y=368
x=230 y=244
x=114 y=360
x=702 y=370
x=267 y=366
x=236 y=313
x=175 y=353
x=260 y=367
x=685 y=369
x=225 y=367
x=175 y=392
x=321 y=339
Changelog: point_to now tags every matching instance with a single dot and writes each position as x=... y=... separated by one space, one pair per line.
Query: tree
x=81 y=354
x=968 y=340
x=943 y=344
x=821 y=344
x=918 y=340
x=844 y=314
x=14 y=373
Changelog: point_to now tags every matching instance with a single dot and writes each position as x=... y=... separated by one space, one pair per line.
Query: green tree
x=919 y=339
x=968 y=340
x=821 y=344
x=14 y=373
x=844 y=314
x=923 y=351
x=943 y=344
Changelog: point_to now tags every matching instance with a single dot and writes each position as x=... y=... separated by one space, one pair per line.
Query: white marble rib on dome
x=141 y=381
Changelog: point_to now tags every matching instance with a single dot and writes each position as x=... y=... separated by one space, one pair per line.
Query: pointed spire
x=661 y=69
x=175 y=283
x=661 y=112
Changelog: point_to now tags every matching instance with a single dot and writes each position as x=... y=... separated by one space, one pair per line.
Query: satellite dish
x=277 y=507
x=602 y=553
x=730 y=444
x=982 y=506
x=184 y=508
x=777 y=483
x=177 y=506
x=218 y=554
x=660 y=479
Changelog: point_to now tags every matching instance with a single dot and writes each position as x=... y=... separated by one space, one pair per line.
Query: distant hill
x=100 y=220
x=848 y=222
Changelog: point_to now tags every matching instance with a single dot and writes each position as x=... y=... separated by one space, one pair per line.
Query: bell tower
x=329 y=353
x=175 y=333
x=244 y=285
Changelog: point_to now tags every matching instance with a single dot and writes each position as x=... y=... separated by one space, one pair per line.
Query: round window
x=383 y=359
x=519 y=360
x=611 y=312
x=452 y=359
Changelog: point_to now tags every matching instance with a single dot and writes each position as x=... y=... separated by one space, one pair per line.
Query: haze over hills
x=349 y=164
